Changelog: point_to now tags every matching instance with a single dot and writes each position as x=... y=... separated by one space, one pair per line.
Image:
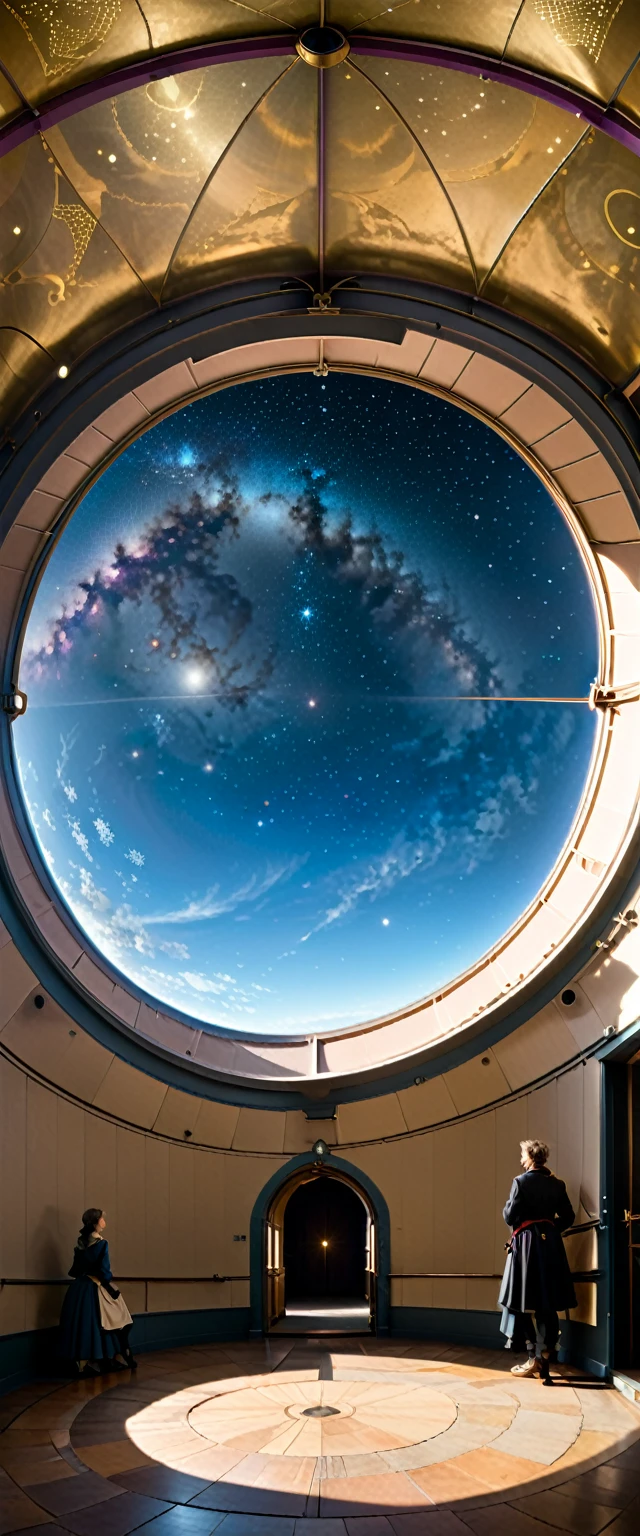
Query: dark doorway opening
x=623 y=1160
x=326 y=1281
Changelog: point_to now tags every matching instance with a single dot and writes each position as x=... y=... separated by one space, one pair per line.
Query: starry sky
x=247 y=755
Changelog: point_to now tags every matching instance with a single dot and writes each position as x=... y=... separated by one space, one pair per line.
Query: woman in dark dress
x=536 y=1276
x=83 y=1334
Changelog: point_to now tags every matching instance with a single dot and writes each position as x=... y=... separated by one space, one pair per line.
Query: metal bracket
x=14 y=704
x=611 y=698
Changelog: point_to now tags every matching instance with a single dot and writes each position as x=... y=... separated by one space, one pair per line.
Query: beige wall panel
x=450 y=1294
x=386 y=1165
x=101 y=1172
x=448 y=1235
x=301 y=1134
x=541 y=1044
x=70 y=1162
x=370 y=1119
x=242 y=1180
x=13 y=1184
x=178 y=1113
x=84 y=1066
x=608 y=518
x=123 y=417
x=39 y=1037
x=129 y=1094
x=183 y=1237
x=156 y=1212
x=511 y=1129
x=13 y=1307
x=565 y=446
x=417 y=1211
x=129 y=1252
x=90 y=447
x=259 y=1130
x=16 y=981
x=570 y=1122
x=482 y=1295
x=592 y=1115
x=240 y=1293
x=134 y=1295
x=42 y=1306
x=43 y=1252
x=581 y=1018
x=445 y=363
x=491 y=385
x=426 y=1104
x=216 y=1124
x=166 y=387
x=213 y=1244
x=592 y=477
x=412 y=1293
x=534 y=415
x=478 y=1196
x=58 y=936
x=612 y=986
x=477 y=1082
x=542 y=1119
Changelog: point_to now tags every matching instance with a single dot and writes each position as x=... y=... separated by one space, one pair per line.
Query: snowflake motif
x=80 y=838
x=135 y=858
x=104 y=832
x=70 y=792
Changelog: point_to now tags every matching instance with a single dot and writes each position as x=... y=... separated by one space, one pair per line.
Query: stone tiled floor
x=298 y=1437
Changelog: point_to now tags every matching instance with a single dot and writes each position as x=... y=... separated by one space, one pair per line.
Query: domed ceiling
x=154 y=151
x=260 y=753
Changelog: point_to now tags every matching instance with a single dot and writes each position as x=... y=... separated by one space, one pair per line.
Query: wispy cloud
x=213 y=904
x=402 y=858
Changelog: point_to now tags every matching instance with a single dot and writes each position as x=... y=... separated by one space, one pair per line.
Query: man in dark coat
x=536 y=1276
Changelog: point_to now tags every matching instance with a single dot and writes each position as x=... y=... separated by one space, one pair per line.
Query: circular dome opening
x=322 y=46
x=295 y=751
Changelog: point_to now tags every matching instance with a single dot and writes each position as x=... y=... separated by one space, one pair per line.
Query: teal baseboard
x=582 y=1346
x=23 y=1356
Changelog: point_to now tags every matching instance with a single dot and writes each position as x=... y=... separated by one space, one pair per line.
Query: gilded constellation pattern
x=580 y=23
x=63 y=32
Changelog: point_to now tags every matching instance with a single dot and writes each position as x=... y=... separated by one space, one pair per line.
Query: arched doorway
x=327 y=1241
x=319 y=1251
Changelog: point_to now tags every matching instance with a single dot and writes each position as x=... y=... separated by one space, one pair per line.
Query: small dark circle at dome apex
x=38 y=1000
x=568 y=997
x=322 y=40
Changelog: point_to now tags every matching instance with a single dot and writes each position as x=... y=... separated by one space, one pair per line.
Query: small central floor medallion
x=320 y=1411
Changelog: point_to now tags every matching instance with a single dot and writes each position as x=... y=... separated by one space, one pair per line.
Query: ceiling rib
x=608 y=119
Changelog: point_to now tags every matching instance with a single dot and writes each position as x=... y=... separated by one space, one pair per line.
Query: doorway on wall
x=320 y=1257
x=623 y=1159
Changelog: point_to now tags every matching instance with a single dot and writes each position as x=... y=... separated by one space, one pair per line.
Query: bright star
x=195 y=677
x=385 y=922
x=306 y=613
x=312 y=703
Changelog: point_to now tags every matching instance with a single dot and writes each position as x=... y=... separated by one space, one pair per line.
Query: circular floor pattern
x=282 y=1438
x=289 y=1418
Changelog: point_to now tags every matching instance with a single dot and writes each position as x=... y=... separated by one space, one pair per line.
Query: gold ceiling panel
x=465 y=23
x=493 y=147
x=49 y=46
x=591 y=43
x=140 y=160
x=628 y=98
x=259 y=213
x=386 y=208
x=63 y=283
x=191 y=21
x=10 y=103
x=573 y=264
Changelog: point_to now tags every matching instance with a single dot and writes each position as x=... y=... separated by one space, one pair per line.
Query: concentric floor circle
x=298 y=1417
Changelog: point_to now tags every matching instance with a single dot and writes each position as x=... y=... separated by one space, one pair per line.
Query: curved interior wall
x=79 y=1126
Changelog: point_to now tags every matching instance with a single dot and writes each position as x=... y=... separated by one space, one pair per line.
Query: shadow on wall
x=50 y=1262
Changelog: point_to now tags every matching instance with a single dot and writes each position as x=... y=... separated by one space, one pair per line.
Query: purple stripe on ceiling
x=609 y=120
